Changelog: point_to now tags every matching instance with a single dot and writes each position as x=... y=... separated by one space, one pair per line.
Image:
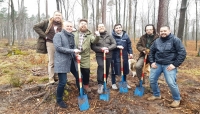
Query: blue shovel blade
x=123 y=87
x=105 y=95
x=83 y=103
x=139 y=91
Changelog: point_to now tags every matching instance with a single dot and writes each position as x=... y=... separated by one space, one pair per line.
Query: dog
x=132 y=63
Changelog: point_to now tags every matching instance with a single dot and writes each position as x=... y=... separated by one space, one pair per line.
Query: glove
x=97 y=33
x=76 y=51
x=104 y=48
x=106 y=51
x=78 y=57
x=146 y=51
x=120 y=47
x=131 y=56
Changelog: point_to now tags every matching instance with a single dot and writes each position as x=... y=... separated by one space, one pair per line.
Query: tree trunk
x=175 y=17
x=46 y=9
x=8 y=23
x=119 y=3
x=134 y=23
x=196 y=24
x=104 y=12
x=57 y=4
x=38 y=10
x=182 y=19
x=124 y=13
x=130 y=17
x=13 y=23
x=84 y=9
x=162 y=14
x=93 y=16
x=97 y=13
x=186 y=30
x=116 y=8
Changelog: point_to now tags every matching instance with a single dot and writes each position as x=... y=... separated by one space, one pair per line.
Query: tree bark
x=104 y=12
x=182 y=19
x=162 y=14
x=38 y=10
x=97 y=13
x=13 y=23
x=47 y=9
x=134 y=23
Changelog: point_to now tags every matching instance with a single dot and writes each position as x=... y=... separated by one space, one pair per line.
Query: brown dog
x=132 y=63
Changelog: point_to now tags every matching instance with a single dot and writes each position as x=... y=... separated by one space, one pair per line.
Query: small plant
x=15 y=81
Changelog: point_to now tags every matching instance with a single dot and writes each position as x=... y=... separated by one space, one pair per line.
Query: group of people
x=64 y=46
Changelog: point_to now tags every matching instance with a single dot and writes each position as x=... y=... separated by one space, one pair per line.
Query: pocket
x=41 y=46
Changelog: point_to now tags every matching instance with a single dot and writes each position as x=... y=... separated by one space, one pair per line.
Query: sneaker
x=62 y=104
x=87 y=89
x=129 y=87
x=152 y=98
x=100 y=89
x=175 y=103
x=114 y=86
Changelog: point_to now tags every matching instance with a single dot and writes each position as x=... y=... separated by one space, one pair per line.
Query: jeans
x=100 y=69
x=63 y=80
x=170 y=77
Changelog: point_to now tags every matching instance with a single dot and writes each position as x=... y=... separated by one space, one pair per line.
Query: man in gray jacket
x=106 y=44
x=65 y=59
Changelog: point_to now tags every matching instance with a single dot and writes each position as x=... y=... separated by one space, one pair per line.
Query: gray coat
x=64 y=54
x=106 y=41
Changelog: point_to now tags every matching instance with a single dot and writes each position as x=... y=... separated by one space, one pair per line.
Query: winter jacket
x=42 y=29
x=86 y=47
x=106 y=41
x=169 y=50
x=141 y=45
x=126 y=43
x=64 y=51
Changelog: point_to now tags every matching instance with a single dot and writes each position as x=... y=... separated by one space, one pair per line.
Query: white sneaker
x=114 y=86
x=129 y=87
x=100 y=89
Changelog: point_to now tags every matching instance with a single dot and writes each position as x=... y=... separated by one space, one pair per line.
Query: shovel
x=139 y=91
x=106 y=92
x=122 y=85
x=82 y=98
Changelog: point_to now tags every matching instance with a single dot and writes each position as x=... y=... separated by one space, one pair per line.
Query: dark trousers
x=114 y=78
x=63 y=80
x=100 y=69
x=85 y=75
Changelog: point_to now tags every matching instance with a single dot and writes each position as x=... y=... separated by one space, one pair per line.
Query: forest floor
x=23 y=88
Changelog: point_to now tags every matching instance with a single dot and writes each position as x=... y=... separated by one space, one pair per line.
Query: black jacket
x=169 y=50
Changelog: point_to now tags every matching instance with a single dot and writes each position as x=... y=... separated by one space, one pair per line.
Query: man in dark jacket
x=123 y=42
x=143 y=46
x=106 y=43
x=65 y=59
x=46 y=31
x=166 y=54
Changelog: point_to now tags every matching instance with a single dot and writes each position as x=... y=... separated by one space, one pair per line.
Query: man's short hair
x=85 y=20
x=165 y=26
x=57 y=12
x=117 y=25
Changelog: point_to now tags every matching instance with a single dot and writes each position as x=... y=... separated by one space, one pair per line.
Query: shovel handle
x=79 y=72
x=121 y=60
x=145 y=60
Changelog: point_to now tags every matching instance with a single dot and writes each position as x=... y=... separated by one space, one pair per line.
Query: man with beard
x=106 y=44
x=143 y=46
x=83 y=40
x=166 y=54
x=46 y=31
